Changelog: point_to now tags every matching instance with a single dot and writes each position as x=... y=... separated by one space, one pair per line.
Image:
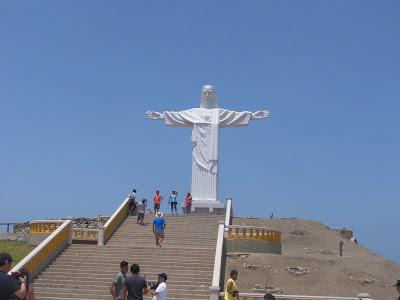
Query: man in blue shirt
x=159 y=225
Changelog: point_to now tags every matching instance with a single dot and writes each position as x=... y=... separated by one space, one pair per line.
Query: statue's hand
x=260 y=114
x=154 y=115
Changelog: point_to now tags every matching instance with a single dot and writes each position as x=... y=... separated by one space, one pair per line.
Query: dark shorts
x=159 y=234
x=156 y=205
x=140 y=216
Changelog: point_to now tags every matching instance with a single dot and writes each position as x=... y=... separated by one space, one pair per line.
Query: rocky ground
x=310 y=264
x=13 y=237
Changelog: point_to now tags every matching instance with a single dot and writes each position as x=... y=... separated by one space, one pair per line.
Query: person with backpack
x=132 y=202
x=160 y=293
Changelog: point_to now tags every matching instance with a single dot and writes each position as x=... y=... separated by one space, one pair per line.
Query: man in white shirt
x=161 y=291
x=132 y=202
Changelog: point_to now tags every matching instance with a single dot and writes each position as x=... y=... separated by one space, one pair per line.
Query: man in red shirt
x=157 y=201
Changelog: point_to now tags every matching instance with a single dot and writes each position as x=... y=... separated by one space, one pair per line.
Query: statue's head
x=208 y=97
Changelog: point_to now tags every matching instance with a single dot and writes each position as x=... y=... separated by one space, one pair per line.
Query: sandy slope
x=328 y=273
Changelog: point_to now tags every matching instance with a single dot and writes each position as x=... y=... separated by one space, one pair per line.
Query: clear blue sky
x=77 y=76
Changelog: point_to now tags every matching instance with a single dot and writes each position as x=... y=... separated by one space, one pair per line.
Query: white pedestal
x=206 y=207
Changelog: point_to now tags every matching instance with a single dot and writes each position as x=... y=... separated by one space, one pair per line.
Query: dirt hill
x=313 y=246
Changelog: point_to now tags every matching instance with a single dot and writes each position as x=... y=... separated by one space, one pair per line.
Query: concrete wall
x=253 y=246
x=49 y=259
x=36 y=238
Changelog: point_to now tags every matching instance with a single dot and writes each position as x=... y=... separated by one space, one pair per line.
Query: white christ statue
x=206 y=122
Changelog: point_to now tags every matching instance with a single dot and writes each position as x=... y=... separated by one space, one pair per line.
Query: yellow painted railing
x=116 y=219
x=83 y=234
x=44 y=226
x=47 y=250
x=49 y=226
x=239 y=232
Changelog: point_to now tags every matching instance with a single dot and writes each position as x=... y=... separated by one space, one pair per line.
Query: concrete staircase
x=187 y=256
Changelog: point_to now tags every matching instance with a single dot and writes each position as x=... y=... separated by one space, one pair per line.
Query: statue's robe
x=206 y=123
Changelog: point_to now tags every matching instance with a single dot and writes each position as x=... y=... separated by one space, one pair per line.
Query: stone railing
x=229 y=212
x=252 y=296
x=38 y=228
x=49 y=249
x=219 y=266
x=91 y=235
x=85 y=234
x=219 y=261
x=44 y=226
x=113 y=223
x=240 y=232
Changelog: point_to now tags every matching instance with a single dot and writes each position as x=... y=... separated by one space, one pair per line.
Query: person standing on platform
x=141 y=211
x=188 y=203
x=132 y=202
x=157 y=201
x=231 y=291
x=173 y=201
x=119 y=281
x=159 y=225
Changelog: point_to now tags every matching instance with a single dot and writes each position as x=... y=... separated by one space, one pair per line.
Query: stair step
x=85 y=271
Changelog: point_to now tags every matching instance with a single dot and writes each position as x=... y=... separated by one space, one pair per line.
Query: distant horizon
x=166 y=211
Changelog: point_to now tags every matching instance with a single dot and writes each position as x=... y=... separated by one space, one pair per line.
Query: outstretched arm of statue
x=261 y=114
x=154 y=115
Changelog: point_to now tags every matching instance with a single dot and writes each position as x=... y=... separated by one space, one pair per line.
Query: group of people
x=134 y=286
x=159 y=222
x=140 y=207
x=123 y=287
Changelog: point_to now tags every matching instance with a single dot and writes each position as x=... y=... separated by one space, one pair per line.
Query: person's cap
x=159 y=214
x=5 y=258
x=163 y=275
x=397 y=283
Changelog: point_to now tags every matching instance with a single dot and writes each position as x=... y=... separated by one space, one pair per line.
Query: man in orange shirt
x=157 y=201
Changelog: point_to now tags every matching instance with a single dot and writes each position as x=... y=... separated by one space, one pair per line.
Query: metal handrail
x=8 y=225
